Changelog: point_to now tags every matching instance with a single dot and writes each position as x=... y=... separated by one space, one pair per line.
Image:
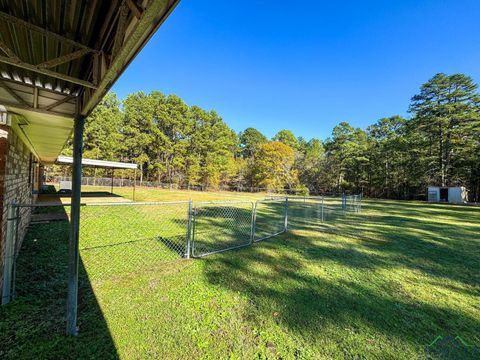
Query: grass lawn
x=381 y=284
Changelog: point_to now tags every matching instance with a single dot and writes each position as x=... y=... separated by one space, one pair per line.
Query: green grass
x=382 y=284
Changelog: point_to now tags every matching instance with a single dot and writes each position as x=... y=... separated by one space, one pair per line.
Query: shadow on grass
x=85 y=194
x=33 y=325
x=440 y=240
x=277 y=275
x=50 y=194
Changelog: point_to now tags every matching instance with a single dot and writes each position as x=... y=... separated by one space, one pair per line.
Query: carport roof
x=67 y=160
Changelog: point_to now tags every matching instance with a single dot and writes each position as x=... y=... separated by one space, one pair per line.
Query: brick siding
x=16 y=170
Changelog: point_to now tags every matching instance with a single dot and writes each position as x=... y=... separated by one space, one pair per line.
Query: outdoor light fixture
x=5 y=118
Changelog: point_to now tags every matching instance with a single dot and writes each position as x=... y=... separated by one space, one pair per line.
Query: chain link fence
x=37 y=238
x=325 y=213
x=115 y=239
x=119 y=239
x=130 y=182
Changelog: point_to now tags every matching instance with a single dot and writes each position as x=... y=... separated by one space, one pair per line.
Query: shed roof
x=446 y=187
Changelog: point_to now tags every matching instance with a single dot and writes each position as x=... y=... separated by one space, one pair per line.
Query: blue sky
x=306 y=66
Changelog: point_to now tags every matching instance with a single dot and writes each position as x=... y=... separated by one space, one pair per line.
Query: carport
x=57 y=60
x=103 y=164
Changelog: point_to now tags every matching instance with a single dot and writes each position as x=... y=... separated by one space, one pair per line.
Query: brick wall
x=3 y=165
x=17 y=174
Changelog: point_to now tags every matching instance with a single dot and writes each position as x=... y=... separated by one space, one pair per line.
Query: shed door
x=444 y=194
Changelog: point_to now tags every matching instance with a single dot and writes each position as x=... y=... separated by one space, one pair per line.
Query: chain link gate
x=306 y=213
x=221 y=226
x=270 y=218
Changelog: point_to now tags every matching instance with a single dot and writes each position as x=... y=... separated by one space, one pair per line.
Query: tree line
x=396 y=157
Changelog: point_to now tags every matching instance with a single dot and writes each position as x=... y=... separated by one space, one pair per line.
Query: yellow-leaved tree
x=273 y=167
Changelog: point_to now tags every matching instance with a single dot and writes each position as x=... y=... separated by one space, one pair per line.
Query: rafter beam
x=120 y=33
x=152 y=17
x=63 y=59
x=107 y=24
x=53 y=74
x=137 y=12
x=35 y=97
x=48 y=33
x=9 y=52
x=39 y=110
x=59 y=102
x=17 y=97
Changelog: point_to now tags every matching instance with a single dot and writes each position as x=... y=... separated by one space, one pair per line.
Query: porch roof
x=58 y=59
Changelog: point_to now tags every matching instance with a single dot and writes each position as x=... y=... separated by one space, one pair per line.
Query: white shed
x=448 y=194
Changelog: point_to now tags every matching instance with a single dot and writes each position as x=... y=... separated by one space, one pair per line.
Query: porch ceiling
x=44 y=134
x=58 y=58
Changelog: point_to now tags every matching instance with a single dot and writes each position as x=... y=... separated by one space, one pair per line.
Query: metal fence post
x=8 y=269
x=254 y=220
x=15 y=250
x=322 y=209
x=194 y=220
x=189 y=230
x=73 y=250
x=286 y=214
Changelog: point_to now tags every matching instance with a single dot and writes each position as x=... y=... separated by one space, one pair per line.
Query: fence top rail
x=305 y=200
x=320 y=197
x=301 y=197
x=42 y=204
x=226 y=202
x=123 y=203
x=138 y=203
x=276 y=199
